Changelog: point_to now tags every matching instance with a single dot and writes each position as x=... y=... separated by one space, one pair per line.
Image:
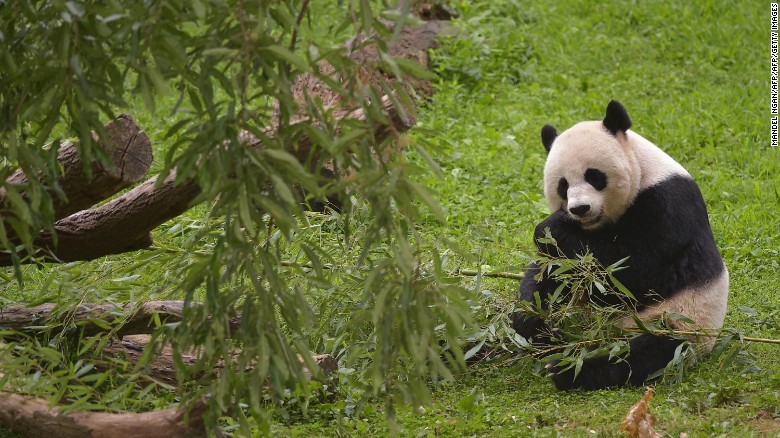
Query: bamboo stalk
x=491 y=274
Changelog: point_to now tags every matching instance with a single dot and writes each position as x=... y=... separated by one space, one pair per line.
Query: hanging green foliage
x=220 y=72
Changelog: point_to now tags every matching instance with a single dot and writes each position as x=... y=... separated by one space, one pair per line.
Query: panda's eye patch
x=563 y=187
x=596 y=178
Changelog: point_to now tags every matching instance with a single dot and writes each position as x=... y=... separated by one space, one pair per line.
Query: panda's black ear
x=617 y=118
x=548 y=136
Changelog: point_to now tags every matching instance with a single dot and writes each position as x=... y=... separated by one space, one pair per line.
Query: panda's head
x=591 y=171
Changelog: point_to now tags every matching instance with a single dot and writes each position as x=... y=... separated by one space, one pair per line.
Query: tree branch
x=125 y=223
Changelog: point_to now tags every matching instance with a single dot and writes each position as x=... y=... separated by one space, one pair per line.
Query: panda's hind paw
x=562 y=378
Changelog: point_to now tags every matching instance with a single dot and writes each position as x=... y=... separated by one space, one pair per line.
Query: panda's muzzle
x=585 y=216
x=580 y=210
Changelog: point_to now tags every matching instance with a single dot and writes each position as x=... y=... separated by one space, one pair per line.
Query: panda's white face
x=591 y=174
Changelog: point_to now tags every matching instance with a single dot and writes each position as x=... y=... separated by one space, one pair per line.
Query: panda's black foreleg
x=527 y=324
x=647 y=354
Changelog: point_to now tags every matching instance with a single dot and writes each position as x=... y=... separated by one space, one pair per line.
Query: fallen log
x=129 y=154
x=125 y=224
x=93 y=318
x=32 y=417
x=162 y=367
x=136 y=323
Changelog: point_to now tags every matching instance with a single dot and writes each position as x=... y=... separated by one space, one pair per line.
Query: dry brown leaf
x=638 y=422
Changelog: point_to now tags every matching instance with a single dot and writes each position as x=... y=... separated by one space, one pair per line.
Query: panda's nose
x=580 y=210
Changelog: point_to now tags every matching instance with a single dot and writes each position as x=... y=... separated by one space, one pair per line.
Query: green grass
x=694 y=78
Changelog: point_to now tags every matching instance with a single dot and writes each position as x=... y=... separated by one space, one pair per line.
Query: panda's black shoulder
x=675 y=204
x=670 y=218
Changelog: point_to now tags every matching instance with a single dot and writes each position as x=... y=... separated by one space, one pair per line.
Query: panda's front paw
x=553 y=222
x=527 y=326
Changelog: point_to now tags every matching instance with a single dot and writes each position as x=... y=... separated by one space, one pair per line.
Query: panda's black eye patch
x=596 y=178
x=563 y=187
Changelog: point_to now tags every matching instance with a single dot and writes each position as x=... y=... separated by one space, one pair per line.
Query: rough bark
x=129 y=152
x=119 y=226
x=133 y=319
x=32 y=417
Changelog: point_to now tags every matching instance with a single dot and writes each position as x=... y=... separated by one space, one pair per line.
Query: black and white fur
x=617 y=195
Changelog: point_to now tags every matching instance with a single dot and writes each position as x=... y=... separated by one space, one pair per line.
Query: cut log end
x=128 y=148
x=129 y=153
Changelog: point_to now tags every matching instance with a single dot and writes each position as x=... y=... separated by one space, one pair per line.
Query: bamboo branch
x=460 y=272
x=492 y=274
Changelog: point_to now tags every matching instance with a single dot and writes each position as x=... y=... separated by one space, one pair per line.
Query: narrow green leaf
x=428 y=199
x=288 y=57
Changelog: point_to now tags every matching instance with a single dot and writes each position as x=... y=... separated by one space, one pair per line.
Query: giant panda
x=617 y=195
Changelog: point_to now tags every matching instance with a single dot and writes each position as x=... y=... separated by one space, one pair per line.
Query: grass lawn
x=694 y=77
